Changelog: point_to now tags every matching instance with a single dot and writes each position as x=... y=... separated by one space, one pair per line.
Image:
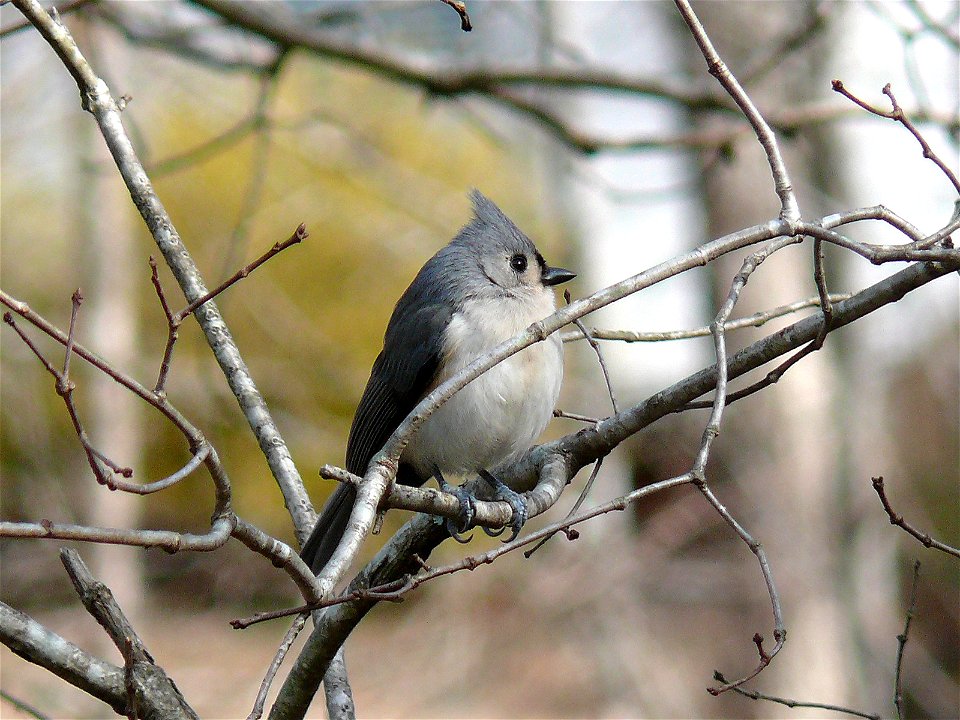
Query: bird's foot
x=467 y=509
x=513 y=499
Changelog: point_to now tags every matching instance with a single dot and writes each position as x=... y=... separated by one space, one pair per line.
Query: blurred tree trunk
x=866 y=445
x=108 y=323
x=793 y=471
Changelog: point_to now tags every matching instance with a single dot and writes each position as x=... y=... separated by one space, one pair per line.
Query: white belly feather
x=499 y=415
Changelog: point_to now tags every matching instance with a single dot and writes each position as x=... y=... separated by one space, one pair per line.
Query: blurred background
x=245 y=138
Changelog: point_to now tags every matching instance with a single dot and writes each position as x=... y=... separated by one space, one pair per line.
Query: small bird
x=486 y=286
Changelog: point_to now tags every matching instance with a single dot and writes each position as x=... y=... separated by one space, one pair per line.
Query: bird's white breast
x=499 y=415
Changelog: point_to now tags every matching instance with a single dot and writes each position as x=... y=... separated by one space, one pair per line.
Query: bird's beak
x=556 y=275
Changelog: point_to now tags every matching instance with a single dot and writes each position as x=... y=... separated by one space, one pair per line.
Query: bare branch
x=897 y=519
x=150 y=693
x=45 y=648
x=280 y=554
x=902 y=641
x=336 y=687
x=96 y=98
x=757 y=319
x=461 y=9
x=899 y=116
x=167 y=540
x=789 y=208
x=288 y=639
x=756 y=695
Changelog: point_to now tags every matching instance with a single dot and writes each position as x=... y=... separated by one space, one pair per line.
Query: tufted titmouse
x=486 y=286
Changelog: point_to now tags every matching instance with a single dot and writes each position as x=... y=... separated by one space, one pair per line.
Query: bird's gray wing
x=401 y=376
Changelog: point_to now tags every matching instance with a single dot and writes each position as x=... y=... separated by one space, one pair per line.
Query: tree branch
x=36 y=644
x=96 y=98
x=414 y=542
x=149 y=692
x=789 y=208
x=897 y=519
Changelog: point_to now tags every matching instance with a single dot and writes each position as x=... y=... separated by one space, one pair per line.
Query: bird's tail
x=329 y=528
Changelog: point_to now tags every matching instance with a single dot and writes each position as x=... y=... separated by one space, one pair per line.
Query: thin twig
x=461 y=9
x=902 y=641
x=789 y=208
x=223 y=517
x=826 y=305
x=172 y=328
x=897 y=519
x=710 y=433
x=75 y=301
x=756 y=695
x=899 y=116
x=571 y=533
x=95 y=458
x=65 y=387
x=174 y=319
x=757 y=319
x=771 y=378
x=596 y=349
x=298 y=235
x=557 y=412
x=22 y=706
x=294 y=630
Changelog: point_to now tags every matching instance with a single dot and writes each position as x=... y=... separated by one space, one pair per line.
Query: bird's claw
x=457 y=528
x=514 y=500
x=495 y=532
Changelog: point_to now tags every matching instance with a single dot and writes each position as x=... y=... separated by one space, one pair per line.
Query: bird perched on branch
x=486 y=286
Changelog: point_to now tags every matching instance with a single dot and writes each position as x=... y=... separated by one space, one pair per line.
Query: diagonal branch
x=789 y=208
x=96 y=98
x=897 y=519
x=149 y=692
x=35 y=643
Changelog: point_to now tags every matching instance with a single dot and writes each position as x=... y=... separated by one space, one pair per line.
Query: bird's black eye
x=519 y=262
